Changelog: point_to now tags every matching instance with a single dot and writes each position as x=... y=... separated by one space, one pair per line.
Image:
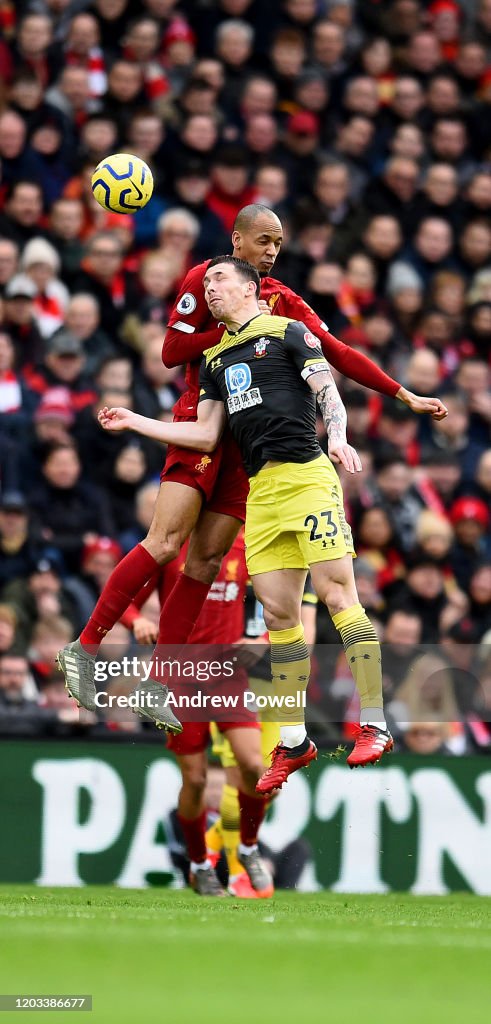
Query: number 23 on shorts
x=321 y=527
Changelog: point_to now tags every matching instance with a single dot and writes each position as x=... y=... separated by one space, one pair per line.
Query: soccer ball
x=122 y=183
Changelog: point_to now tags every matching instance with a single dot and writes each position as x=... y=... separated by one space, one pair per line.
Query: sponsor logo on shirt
x=311 y=341
x=221 y=591
x=187 y=304
x=232 y=569
x=238 y=379
x=261 y=347
x=311 y=366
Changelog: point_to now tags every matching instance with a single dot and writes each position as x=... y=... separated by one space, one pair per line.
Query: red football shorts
x=220 y=476
x=195 y=735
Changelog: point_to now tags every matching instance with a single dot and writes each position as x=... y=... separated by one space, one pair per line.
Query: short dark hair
x=247 y=216
x=58 y=446
x=20 y=182
x=243 y=268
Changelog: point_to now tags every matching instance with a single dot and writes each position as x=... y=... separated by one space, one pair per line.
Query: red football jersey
x=192 y=330
x=189 y=316
x=221 y=620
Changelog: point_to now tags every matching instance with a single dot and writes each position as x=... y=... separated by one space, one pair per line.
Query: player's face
x=261 y=243
x=225 y=291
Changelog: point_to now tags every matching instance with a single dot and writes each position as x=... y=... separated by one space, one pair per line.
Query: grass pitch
x=173 y=958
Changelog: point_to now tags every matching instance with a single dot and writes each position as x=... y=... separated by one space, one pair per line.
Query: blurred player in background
x=230 y=597
x=221 y=622
x=225 y=832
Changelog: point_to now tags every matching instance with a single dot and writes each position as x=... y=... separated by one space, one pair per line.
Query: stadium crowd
x=366 y=126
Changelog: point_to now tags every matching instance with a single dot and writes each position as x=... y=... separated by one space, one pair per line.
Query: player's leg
x=315 y=511
x=327 y=543
x=238 y=880
x=226 y=495
x=211 y=539
x=176 y=511
x=224 y=834
x=246 y=747
x=280 y=592
x=335 y=585
x=191 y=814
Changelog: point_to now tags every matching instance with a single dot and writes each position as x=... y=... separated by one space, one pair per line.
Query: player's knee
x=204 y=567
x=194 y=781
x=336 y=596
x=163 y=546
x=251 y=768
x=278 y=617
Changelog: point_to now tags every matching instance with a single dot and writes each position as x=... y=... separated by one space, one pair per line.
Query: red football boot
x=241 y=887
x=283 y=764
x=371 y=742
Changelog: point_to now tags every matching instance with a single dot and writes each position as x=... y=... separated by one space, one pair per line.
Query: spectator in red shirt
x=230 y=190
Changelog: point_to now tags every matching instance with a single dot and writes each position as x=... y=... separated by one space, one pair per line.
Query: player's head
x=257 y=236
x=231 y=288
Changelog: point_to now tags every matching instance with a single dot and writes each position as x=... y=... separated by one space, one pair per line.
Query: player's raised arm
x=188 y=332
x=202 y=435
x=357 y=366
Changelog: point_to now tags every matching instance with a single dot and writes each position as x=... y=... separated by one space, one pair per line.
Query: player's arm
x=202 y=435
x=359 y=367
x=305 y=351
x=185 y=340
x=323 y=385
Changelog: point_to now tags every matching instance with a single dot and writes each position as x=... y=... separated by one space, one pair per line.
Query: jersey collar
x=233 y=334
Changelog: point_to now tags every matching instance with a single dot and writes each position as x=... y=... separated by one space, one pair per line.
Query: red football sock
x=181 y=609
x=252 y=811
x=135 y=569
x=194 y=836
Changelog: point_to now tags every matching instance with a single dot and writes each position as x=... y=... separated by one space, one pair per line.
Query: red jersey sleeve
x=350 y=363
x=129 y=616
x=191 y=329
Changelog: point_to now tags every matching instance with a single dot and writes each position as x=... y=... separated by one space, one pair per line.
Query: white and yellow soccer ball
x=122 y=183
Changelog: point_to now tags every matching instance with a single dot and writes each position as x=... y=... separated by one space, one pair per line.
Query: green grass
x=173 y=958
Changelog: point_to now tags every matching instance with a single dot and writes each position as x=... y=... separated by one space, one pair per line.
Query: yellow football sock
x=363 y=655
x=230 y=818
x=290 y=667
x=214 y=837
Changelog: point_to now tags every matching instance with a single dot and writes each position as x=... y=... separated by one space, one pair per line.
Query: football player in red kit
x=205 y=495
x=221 y=621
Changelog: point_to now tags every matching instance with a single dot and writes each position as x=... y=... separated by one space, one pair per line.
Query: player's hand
x=248 y=651
x=421 y=404
x=145 y=631
x=346 y=456
x=263 y=306
x=116 y=419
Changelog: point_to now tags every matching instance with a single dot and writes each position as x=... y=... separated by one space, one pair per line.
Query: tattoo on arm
x=330 y=405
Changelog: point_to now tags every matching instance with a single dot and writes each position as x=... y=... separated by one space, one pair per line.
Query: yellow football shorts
x=295 y=516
